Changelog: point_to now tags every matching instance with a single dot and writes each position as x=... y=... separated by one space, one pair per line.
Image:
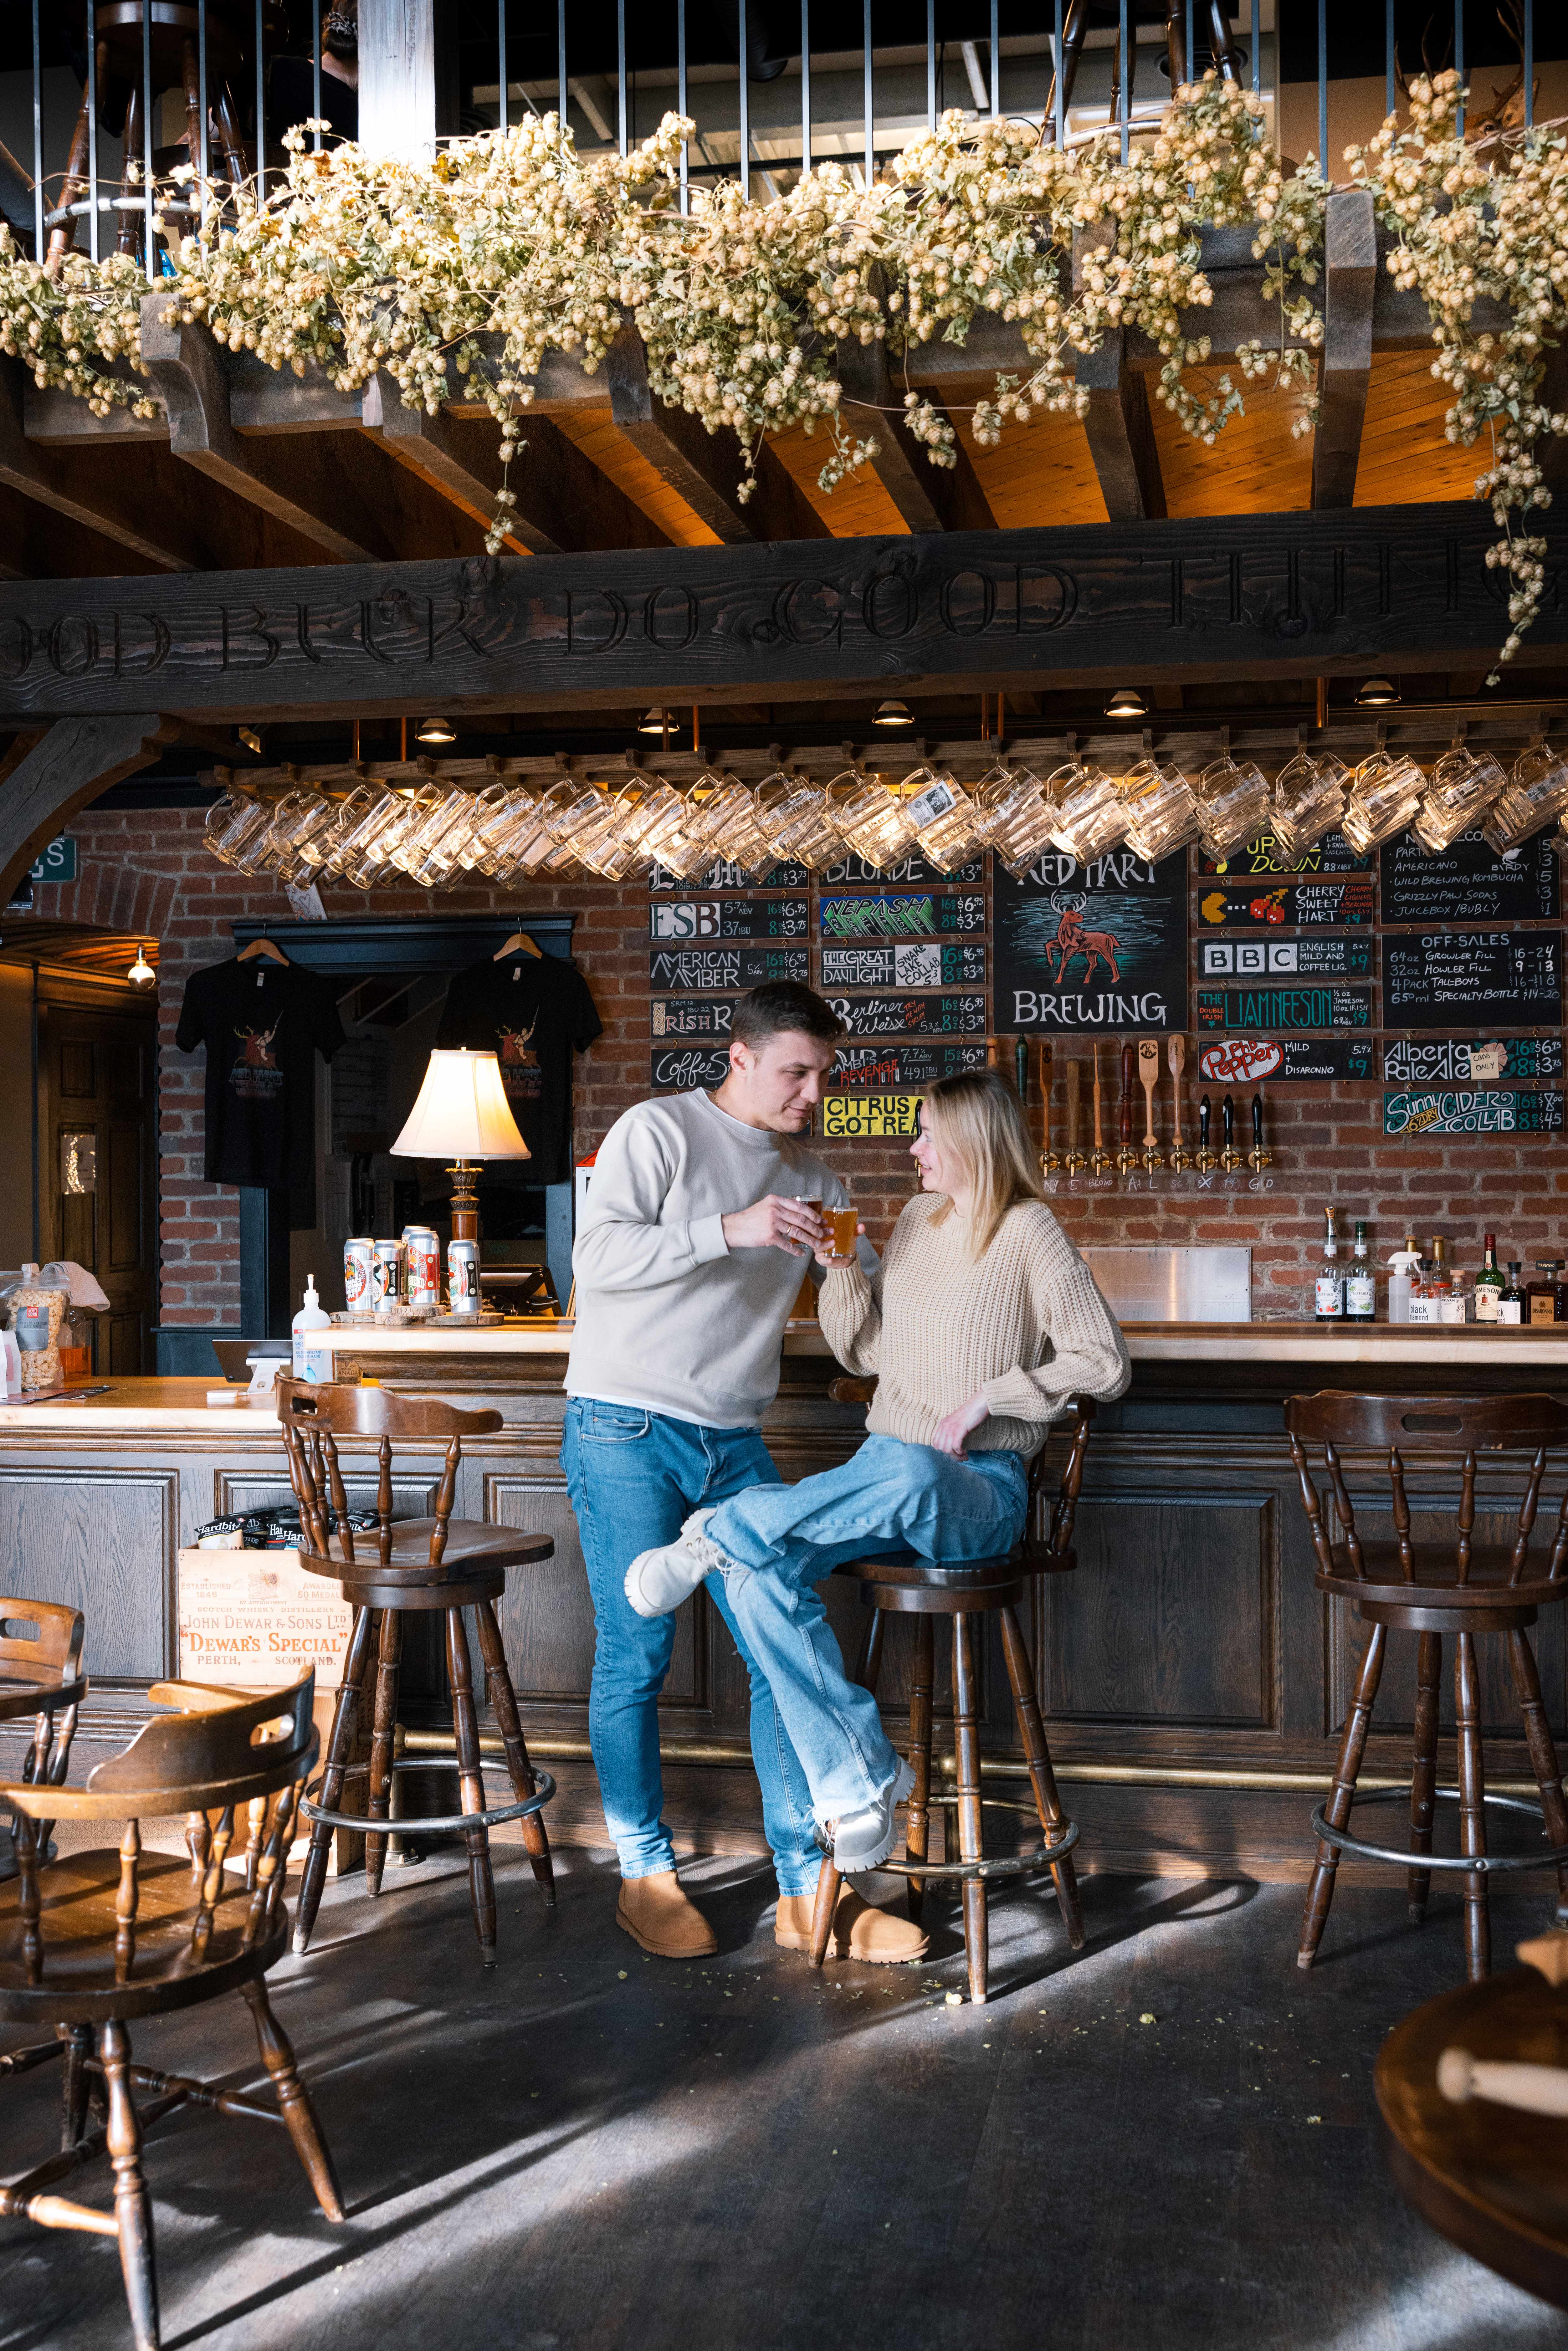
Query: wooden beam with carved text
x=1249 y=597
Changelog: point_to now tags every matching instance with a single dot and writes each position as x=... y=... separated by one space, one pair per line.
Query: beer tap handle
x=1021 y=1064
x=1049 y=1160
x=1175 y=1055
x=1126 y=1095
x=1257 y=1122
x=1099 y=1136
x=1227 y=1119
x=1070 y=1076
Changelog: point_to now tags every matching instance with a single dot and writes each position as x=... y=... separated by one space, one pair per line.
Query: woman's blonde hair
x=977 y=1116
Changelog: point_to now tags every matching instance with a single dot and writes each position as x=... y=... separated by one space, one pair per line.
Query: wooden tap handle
x=1126 y=1095
x=1149 y=1078
x=1045 y=1090
x=1176 y=1054
x=1071 y=1076
x=1099 y=1138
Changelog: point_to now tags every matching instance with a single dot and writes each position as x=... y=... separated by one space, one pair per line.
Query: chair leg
x=1424 y=1779
x=830 y=1884
x=78 y=2085
x=294 y=2100
x=132 y=2205
x=1472 y=1811
x=917 y=1834
x=868 y=1665
x=1042 y=1778
x=1543 y=1755
x=378 y=1804
x=1320 y=1892
x=503 y=1704
x=339 y=1754
x=971 y=1820
x=465 y=1728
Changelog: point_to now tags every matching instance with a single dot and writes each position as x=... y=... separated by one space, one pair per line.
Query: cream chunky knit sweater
x=1024 y=1326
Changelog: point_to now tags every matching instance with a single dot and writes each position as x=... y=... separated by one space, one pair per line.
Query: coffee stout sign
x=1095 y=947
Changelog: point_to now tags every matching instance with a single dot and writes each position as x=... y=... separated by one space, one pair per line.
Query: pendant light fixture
x=435 y=730
x=141 y=974
x=1125 y=702
x=892 y=714
x=1377 y=694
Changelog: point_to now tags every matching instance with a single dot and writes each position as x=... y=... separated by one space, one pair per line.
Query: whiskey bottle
x=1328 y=1291
x=1489 y=1281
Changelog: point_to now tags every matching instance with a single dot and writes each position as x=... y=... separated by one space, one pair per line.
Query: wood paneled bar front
x=1195 y=1681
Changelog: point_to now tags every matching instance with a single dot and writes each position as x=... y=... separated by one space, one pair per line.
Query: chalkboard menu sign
x=922 y=962
x=1339 y=899
x=1097 y=948
x=1468 y=883
x=692 y=1016
x=1472 y=1109
x=1245 y=1061
x=854 y=873
x=1284 y=1008
x=884 y=1066
x=697 y=920
x=730 y=967
x=1460 y=1060
x=1306 y=958
x=1472 y=980
x=1332 y=855
x=900 y=914
x=723 y=875
x=682 y=1069
x=912 y=1016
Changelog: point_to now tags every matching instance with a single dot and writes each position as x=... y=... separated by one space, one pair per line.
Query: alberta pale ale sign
x=1096 y=947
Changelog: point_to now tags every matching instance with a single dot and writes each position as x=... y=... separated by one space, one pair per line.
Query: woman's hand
x=826 y=1257
x=952 y=1432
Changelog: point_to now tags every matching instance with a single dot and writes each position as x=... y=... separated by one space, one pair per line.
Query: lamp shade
x=462 y=1112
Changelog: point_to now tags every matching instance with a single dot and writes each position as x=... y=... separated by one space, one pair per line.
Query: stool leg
x=504 y=1702
x=132 y=2205
x=1320 y=1892
x=389 y=1661
x=465 y=1726
x=971 y=1821
x=1472 y=1813
x=1424 y=1781
x=868 y=1665
x=76 y=2088
x=339 y=1754
x=829 y=1883
x=1042 y=1778
x=294 y=2099
x=1543 y=1755
x=918 y=1834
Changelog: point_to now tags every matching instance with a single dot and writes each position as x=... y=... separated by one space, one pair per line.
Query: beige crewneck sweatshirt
x=1024 y=1326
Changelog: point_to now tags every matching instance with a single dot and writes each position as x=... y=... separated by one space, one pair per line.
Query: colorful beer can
x=463 y=1276
x=421 y=1265
x=358 y=1256
x=386 y=1271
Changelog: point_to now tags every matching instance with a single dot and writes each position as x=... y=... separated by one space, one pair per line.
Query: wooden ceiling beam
x=1350 y=293
x=703 y=467
x=1117 y=423
x=61 y=482
x=927 y=497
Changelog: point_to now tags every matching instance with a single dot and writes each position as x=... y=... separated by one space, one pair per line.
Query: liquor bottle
x=1513 y=1305
x=1540 y=1295
x=1454 y=1303
x=1328 y=1291
x=1489 y=1281
x=1422 y=1296
x=1360 y=1284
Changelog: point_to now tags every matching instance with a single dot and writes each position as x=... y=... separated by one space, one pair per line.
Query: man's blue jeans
x=634 y=1477
x=785 y=1539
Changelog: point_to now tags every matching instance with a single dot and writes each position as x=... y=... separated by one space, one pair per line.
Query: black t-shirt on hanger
x=533 y=1012
x=261 y=1023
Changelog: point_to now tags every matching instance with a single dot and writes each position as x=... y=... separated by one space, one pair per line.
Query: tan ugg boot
x=860 y=1931
x=655 y=1913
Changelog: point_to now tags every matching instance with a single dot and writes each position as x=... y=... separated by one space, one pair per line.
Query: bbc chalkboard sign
x=1308 y=958
x=682 y=1069
x=1472 y=1109
x=901 y=915
x=881 y=1068
x=919 y=963
x=730 y=967
x=912 y=1016
x=1098 y=949
x=1337 y=900
x=1468 y=883
x=854 y=873
x=694 y=921
x=1291 y=1061
x=1464 y=1060
x=1261 y=854
x=724 y=875
x=1472 y=980
x=691 y=1015
x=1284 y=1008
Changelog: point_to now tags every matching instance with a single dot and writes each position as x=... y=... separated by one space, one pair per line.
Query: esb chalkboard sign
x=1102 y=947
x=1472 y=980
x=696 y=920
x=1468 y=883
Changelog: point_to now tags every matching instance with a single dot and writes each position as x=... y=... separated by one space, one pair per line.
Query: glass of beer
x=841 y=1223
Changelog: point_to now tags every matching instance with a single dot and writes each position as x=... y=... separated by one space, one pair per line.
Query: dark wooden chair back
x=1057 y=1545
x=313 y=1416
x=1447 y=1431
x=40 y=1642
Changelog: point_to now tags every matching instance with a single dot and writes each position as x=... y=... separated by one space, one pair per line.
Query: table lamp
x=463 y=1114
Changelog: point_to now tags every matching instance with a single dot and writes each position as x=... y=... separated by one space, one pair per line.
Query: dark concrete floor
x=1166 y=2142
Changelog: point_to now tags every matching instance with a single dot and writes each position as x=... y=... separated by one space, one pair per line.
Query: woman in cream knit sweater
x=983 y=1324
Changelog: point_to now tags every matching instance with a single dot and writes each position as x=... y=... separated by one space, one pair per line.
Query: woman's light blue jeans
x=785 y=1539
x=635 y=1477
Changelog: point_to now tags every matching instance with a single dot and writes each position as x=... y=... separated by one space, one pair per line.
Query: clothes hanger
x=261 y=948
x=518 y=944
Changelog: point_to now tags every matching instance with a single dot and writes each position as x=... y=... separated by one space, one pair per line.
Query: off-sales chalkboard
x=1102 y=947
x=901 y=915
x=1245 y=1061
x=912 y=1016
x=886 y=1067
x=1332 y=855
x=1464 y=1060
x=1341 y=898
x=1284 y=1008
x=696 y=920
x=1468 y=883
x=919 y=963
x=731 y=967
x=1308 y=958
x=1472 y=980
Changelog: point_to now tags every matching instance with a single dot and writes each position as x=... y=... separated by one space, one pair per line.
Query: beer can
x=386 y=1270
x=421 y=1265
x=463 y=1276
x=358 y=1255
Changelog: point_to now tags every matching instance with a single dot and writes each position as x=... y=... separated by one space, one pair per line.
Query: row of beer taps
x=1144 y=1059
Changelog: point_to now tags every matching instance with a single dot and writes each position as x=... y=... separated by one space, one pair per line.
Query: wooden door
x=98 y=1162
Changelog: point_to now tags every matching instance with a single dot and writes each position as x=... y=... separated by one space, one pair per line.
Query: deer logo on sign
x=1071 y=939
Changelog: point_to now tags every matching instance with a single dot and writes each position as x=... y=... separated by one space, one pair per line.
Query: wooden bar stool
x=419 y=1564
x=41 y=1675
x=903 y=1583
x=105 y=1935
x=1430 y=1590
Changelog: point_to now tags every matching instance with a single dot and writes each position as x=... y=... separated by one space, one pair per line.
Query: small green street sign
x=58 y=862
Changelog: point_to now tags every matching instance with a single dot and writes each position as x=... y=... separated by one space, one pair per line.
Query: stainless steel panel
x=1175 y=1285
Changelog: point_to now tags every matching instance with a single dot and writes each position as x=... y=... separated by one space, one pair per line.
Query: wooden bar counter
x=1194 y=1678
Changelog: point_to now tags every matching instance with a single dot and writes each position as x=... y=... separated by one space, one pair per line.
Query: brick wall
x=149 y=871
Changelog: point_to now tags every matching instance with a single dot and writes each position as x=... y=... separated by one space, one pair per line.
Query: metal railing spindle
x=1060 y=109
x=38 y=138
x=260 y=112
x=995 y=60
x=1529 y=64
x=1460 y=63
x=92 y=128
x=501 y=46
x=315 y=81
x=805 y=85
x=620 y=62
x=151 y=263
x=1124 y=90
x=1257 y=49
x=1388 y=85
x=560 y=62
x=203 y=146
x=1322 y=88
x=931 y=65
x=681 y=95
x=745 y=101
x=868 y=101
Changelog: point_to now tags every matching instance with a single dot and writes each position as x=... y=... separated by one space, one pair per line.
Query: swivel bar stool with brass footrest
x=903 y=1583
x=440 y=1562
x=1431 y=1590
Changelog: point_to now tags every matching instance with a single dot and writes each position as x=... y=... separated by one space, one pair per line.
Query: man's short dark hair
x=780 y=1004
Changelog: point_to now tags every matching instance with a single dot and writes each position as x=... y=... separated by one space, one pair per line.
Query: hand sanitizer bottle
x=312 y=1360
x=1401 y=1266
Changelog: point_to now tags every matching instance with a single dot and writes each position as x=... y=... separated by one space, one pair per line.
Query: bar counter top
x=148 y=1405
